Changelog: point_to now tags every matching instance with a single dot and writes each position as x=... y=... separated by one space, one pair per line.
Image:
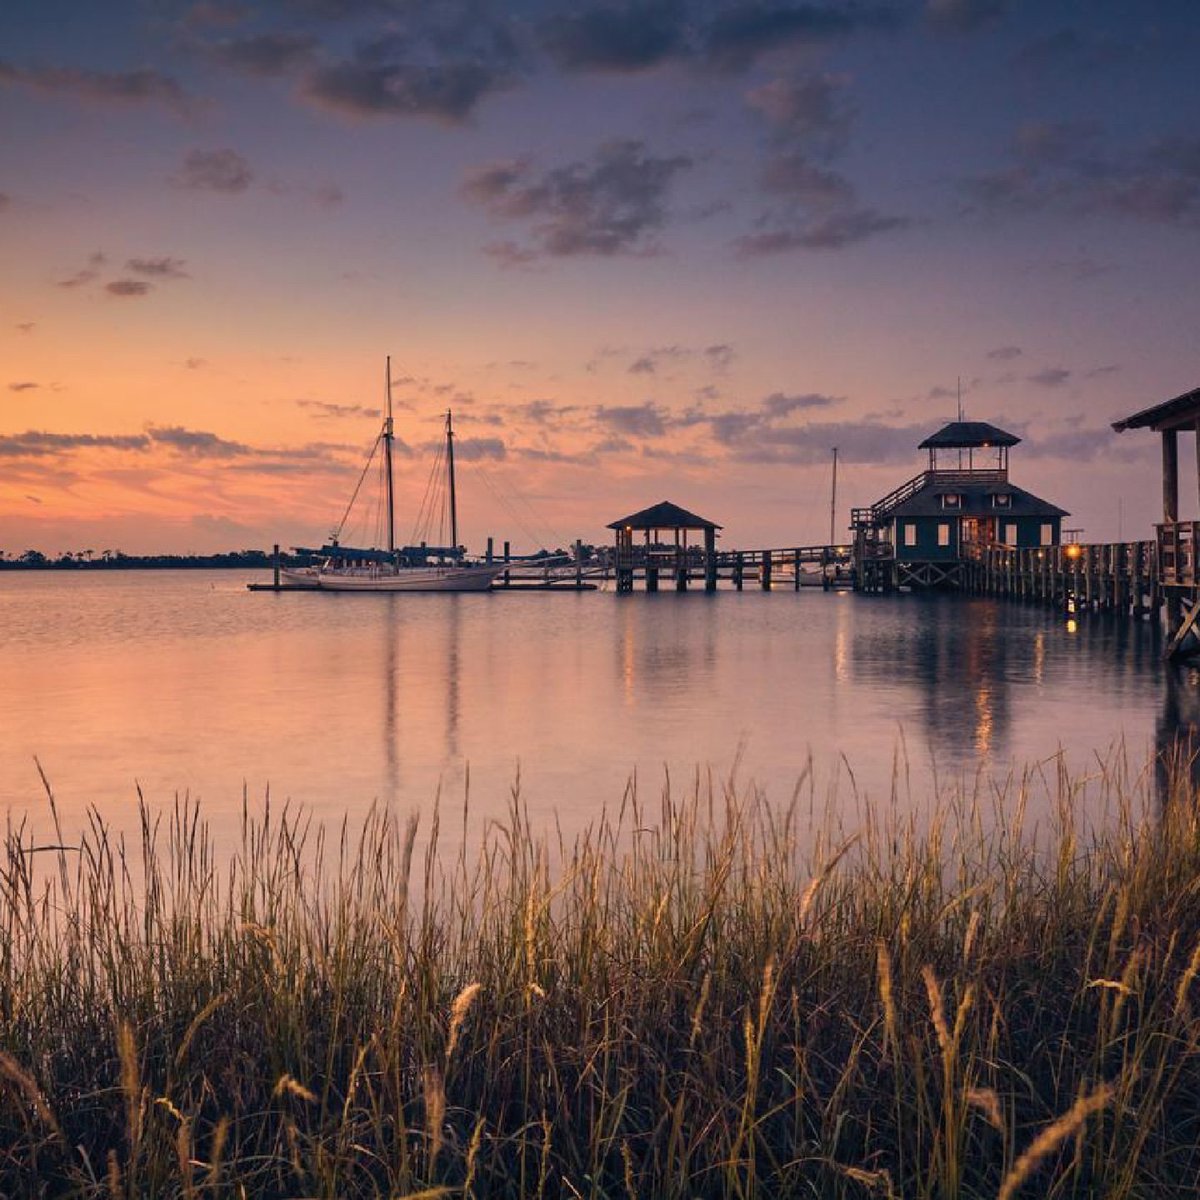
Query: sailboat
x=419 y=568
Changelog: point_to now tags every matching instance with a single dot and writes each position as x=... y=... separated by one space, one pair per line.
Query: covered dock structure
x=639 y=543
x=1175 y=540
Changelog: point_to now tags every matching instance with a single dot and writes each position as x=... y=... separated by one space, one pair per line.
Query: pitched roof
x=976 y=502
x=663 y=515
x=963 y=435
x=1180 y=413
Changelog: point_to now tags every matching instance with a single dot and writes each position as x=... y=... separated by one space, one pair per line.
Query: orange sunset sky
x=645 y=251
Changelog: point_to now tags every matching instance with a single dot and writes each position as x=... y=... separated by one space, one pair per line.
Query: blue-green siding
x=927 y=548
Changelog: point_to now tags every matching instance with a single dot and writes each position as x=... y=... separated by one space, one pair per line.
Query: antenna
x=960 y=417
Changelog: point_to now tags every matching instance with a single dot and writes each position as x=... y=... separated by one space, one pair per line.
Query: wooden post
x=738 y=570
x=507 y=556
x=710 y=560
x=275 y=564
x=765 y=573
x=491 y=550
x=579 y=562
x=1170 y=461
x=796 y=557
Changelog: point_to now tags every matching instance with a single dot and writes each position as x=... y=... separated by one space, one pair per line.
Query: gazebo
x=646 y=527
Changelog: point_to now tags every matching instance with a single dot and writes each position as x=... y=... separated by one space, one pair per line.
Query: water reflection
x=193 y=687
x=1178 y=733
x=968 y=668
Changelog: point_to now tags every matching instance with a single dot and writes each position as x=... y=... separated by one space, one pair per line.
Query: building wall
x=929 y=548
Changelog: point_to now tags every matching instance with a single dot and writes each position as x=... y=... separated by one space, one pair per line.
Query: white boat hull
x=403 y=579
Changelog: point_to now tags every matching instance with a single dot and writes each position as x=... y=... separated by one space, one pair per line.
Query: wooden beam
x=1186 y=626
x=1197 y=428
x=1170 y=464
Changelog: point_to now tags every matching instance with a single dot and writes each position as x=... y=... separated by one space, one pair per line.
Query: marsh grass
x=700 y=996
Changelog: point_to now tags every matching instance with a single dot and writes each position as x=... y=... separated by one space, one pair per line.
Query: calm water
x=184 y=682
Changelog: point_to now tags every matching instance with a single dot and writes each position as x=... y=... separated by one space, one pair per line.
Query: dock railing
x=1177 y=543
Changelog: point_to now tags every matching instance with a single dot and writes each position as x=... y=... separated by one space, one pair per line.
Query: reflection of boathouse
x=924 y=532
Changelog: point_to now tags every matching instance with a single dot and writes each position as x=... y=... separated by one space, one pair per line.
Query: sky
x=644 y=251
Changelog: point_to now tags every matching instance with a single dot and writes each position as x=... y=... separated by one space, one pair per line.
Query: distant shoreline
x=233 y=560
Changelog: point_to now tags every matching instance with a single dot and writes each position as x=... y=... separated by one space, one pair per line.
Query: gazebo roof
x=966 y=435
x=663 y=515
x=1180 y=413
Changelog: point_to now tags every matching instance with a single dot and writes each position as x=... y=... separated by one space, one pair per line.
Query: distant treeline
x=108 y=560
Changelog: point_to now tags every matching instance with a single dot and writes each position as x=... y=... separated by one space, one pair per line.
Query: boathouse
x=923 y=533
x=640 y=543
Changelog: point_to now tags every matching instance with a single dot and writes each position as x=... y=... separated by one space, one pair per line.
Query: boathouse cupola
x=969 y=446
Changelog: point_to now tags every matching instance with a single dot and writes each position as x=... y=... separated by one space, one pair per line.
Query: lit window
x=1047 y=534
x=951 y=500
x=1010 y=534
x=910 y=533
x=943 y=533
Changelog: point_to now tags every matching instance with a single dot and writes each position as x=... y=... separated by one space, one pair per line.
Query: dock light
x=1074 y=551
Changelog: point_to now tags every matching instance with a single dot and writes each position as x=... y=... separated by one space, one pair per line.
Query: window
x=1001 y=500
x=1047 y=533
x=952 y=500
x=1010 y=534
x=943 y=533
x=910 y=533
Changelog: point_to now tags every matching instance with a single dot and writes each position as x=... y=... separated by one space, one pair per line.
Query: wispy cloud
x=268 y=54
x=647 y=420
x=86 y=274
x=158 y=268
x=127 y=289
x=743 y=32
x=1050 y=377
x=442 y=65
x=142 y=86
x=965 y=16
x=617 y=38
x=40 y=444
x=215 y=171
x=328 y=410
x=1066 y=167
x=613 y=204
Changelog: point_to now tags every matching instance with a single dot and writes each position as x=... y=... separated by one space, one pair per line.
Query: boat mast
x=833 y=500
x=450 y=471
x=387 y=459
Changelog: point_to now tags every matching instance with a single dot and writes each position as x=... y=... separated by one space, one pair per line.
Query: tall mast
x=450 y=470
x=833 y=500
x=387 y=459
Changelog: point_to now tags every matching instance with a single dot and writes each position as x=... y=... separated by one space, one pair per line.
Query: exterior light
x=1073 y=551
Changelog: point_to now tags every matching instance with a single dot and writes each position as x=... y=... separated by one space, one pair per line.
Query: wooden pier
x=789 y=567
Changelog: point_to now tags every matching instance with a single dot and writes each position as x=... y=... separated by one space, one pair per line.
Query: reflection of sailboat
x=407 y=569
